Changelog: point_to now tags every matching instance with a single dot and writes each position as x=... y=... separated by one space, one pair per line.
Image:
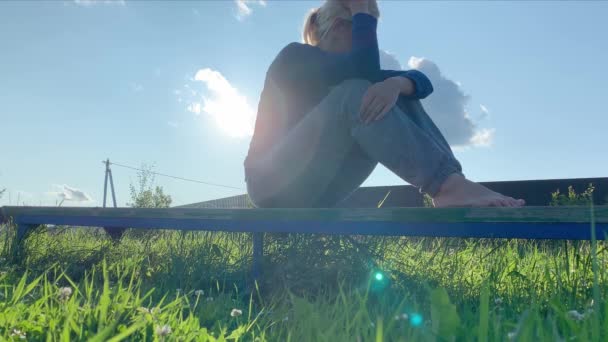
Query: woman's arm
x=413 y=83
x=298 y=62
x=383 y=95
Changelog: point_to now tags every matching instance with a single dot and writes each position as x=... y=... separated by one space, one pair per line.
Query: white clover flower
x=199 y=293
x=403 y=316
x=498 y=301
x=512 y=335
x=65 y=293
x=155 y=311
x=209 y=299
x=18 y=333
x=236 y=312
x=163 y=331
x=575 y=315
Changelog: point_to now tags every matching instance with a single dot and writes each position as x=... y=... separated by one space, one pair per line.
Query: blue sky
x=520 y=89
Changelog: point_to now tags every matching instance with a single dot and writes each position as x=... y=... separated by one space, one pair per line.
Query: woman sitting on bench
x=328 y=114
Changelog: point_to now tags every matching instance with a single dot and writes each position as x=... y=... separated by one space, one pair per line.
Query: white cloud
x=485 y=112
x=173 y=124
x=483 y=137
x=224 y=103
x=243 y=7
x=194 y=107
x=99 y=2
x=389 y=61
x=447 y=106
x=68 y=193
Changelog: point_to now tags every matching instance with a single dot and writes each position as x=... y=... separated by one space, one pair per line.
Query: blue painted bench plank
x=526 y=223
x=522 y=230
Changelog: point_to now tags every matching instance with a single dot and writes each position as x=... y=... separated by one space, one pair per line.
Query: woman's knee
x=349 y=94
x=353 y=86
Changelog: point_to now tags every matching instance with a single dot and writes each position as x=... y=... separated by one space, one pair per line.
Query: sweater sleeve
x=300 y=61
x=422 y=84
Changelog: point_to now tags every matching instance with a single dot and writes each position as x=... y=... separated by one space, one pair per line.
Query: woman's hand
x=379 y=99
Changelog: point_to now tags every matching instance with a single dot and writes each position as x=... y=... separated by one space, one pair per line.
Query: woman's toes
x=499 y=202
x=517 y=202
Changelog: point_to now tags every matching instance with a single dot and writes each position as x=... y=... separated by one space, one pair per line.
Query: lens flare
x=415 y=319
x=379 y=276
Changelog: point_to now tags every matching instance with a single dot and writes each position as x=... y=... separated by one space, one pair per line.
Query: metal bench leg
x=18 y=242
x=258 y=253
x=115 y=233
x=21 y=231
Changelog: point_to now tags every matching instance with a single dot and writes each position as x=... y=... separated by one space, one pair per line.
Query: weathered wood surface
x=575 y=214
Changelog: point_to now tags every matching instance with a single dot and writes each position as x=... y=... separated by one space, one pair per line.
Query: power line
x=175 y=177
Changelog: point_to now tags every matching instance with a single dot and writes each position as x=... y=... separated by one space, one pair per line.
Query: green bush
x=145 y=194
x=572 y=198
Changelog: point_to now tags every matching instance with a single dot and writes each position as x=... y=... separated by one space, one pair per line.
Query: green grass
x=76 y=284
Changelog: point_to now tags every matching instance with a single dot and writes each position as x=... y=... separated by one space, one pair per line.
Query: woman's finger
x=367 y=109
x=373 y=109
x=377 y=111
x=365 y=102
x=383 y=112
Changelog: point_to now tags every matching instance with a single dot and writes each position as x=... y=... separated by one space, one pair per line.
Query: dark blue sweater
x=302 y=75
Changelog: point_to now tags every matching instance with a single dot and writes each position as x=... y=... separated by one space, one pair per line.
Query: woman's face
x=340 y=36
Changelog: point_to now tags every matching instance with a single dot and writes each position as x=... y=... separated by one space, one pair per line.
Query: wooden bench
x=572 y=223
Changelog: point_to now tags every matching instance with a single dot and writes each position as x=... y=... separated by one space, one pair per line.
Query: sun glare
x=229 y=109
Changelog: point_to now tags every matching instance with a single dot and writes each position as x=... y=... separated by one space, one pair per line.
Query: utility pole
x=114 y=232
x=105 y=184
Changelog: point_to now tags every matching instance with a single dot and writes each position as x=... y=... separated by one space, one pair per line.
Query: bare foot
x=458 y=191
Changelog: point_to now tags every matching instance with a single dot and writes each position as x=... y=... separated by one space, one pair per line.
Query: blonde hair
x=319 y=20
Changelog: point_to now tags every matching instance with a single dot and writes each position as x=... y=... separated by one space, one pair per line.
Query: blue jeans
x=330 y=152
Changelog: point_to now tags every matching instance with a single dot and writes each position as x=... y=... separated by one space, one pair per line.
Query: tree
x=145 y=194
